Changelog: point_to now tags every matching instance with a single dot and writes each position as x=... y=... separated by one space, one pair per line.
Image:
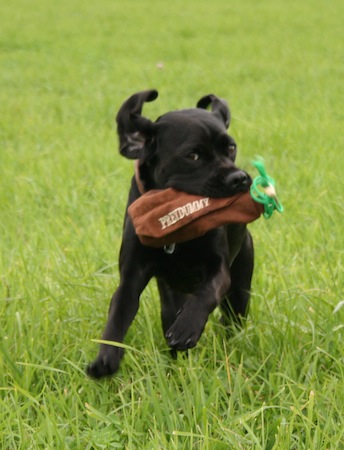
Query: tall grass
x=65 y=69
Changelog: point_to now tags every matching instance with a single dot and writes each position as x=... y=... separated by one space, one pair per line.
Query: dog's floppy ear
x=132 y=128
x=219 y=107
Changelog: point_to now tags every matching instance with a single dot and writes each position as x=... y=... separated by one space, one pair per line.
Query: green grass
x=66 y=67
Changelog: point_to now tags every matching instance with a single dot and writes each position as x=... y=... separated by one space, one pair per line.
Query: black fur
x=191 y=151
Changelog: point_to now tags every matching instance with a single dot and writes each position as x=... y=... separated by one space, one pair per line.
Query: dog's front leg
x=193 y=316
x=123 y=308
x=189 y=324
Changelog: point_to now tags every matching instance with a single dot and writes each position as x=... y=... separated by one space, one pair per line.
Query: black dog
x=191 y=151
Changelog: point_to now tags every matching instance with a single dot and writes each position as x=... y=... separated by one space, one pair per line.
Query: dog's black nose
x=238 y=179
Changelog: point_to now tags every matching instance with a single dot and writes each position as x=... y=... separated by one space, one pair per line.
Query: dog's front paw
x=184 y=334
x=106 y=364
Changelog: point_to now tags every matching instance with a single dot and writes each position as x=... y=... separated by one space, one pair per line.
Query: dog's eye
x=194 y=156
x=231 y=148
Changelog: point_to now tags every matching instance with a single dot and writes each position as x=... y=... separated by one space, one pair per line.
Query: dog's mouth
x=223 y=183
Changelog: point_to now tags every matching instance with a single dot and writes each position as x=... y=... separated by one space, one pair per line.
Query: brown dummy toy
x=165 y=217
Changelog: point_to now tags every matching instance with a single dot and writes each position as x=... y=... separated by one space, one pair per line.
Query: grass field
x=66 y=67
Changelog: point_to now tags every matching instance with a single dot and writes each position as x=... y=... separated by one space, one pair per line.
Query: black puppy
x=191 y=151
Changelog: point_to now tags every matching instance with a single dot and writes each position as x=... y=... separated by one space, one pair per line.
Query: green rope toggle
x=263 y=191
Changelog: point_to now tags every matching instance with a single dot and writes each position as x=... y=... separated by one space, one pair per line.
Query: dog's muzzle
x=238 y=180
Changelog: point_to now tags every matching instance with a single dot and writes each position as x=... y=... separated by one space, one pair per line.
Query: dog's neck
x=138 y=178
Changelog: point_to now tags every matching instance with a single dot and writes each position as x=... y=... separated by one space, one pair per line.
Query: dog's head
x=188 y=150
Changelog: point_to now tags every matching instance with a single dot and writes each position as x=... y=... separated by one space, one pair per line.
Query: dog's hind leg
x=235 y=305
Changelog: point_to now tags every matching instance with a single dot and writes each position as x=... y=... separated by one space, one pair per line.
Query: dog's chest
x=189 y=266
x=184 y=277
